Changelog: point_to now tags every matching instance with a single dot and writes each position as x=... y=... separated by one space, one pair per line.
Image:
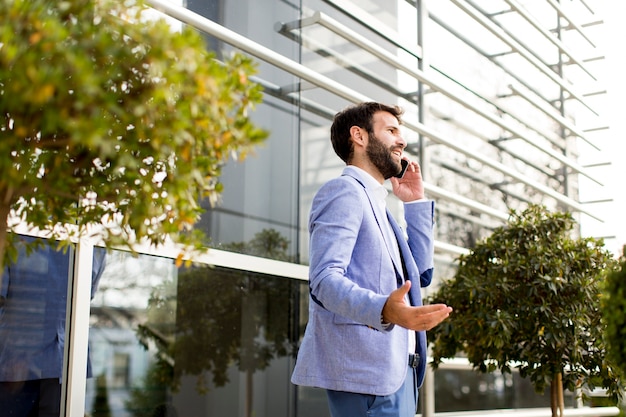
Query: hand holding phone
x=405 y=165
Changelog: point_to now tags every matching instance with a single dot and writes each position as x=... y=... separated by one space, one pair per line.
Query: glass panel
x=260 y=195
x=235 y=342
x=33 y=298
x=310 y=402
x=199 y=341
x=126 y=324
x=260 y=200
x=465 y=390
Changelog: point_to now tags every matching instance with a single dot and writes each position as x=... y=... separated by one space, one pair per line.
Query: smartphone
x=405 y=165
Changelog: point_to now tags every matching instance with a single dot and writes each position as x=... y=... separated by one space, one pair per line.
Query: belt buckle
x=414 y=360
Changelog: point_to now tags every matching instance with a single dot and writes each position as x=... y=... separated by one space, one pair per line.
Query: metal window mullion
x=556 y=6
x=555 y=41
x=450 y=249
x=502 y=168
x=345 y=62
x=77 y=332
x=439 y=192
x=515 y=46
x=551 y=112
x=255 y=49
x=376 y=26
x=481 y=51
x=430 y=188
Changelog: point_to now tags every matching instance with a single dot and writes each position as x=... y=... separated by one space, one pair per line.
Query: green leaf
x=530 y=294
x=115 y=120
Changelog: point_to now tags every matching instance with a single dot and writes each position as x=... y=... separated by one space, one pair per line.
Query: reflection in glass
x=124 y=360
x=259 y=194
x=197 y=341
x=262 y=192
x=33 y=299
x=234 y=335
x=267 y=243
x=465 y=390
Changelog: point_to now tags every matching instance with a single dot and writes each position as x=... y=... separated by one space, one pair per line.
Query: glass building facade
x=501 y=103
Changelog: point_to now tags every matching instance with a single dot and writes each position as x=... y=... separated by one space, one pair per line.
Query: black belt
x=414 y=360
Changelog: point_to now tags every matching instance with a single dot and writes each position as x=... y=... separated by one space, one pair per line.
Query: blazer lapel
x=390 y=237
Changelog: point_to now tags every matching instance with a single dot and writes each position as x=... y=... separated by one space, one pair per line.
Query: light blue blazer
x=351 y=274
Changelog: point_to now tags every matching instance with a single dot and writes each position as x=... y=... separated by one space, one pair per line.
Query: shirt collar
x=371 y=184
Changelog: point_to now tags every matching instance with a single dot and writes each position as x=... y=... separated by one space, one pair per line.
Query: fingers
x=413 y=166
x=397 y=311
x=410 y=187
x=431 y=308
x=428 y=316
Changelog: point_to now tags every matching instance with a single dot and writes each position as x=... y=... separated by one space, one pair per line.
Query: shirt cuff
x=416 y=201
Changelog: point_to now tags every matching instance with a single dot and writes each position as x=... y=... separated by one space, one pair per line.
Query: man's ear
x=357 y=135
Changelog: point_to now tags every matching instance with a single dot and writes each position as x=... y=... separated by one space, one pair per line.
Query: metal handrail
x=556 y=6
x=552 y=113
x=255 y=49
x=515 y=46
x=350 y=9
x=360 y=41
x=546 y=33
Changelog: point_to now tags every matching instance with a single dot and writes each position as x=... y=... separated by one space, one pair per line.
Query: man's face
x=385 y=144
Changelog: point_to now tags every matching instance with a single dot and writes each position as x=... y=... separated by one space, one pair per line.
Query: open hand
x=397 y=311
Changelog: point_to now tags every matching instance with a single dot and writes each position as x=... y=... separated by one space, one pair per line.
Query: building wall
x=492 y=93
x=499 y=112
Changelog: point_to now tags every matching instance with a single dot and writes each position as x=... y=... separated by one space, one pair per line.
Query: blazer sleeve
x=420 y=220
x=335 y=221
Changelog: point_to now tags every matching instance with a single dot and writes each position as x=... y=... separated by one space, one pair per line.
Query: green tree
x=101 y=406
x=528 y=297
x=614 y=312
x=157 y=330
x=111 y=119
x=152 y=392
x=268 y=243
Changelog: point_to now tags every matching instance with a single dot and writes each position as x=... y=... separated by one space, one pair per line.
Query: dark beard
x=381 y=157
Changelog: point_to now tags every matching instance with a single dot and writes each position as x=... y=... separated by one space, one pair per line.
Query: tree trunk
x=5 y=209
x=553 y=397
x=249 y=393
x=557 y=404
x=559 y=388
x=248 y=333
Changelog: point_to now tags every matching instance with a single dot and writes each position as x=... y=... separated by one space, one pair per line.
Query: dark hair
x=360 y=115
